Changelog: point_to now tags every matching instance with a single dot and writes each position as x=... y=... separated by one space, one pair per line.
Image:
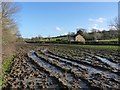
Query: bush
x=58 y=39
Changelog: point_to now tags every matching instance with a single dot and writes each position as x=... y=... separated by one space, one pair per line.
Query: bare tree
x=8 y=12
x=40 y=37
x=116 y=24
x=80 y=31
x=94 y=31
x=9 y=9
x=9 y=29
x=68 y=36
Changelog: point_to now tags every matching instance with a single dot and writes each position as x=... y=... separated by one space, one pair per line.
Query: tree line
x=99 y=35
x=10 y=31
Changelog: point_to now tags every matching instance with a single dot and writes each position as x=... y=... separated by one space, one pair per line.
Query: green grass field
x=104 y=47
x=55 y=39
x=108 y=40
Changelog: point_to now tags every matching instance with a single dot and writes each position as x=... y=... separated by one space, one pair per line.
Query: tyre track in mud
x=111 y=56
x=84 y=62
x=29 y=73
x=66 y=77
x=52 y=81
x=90 y=56
x=110 y=76
x=73 y=63
x=91 y=83
x=26 y=74
x=104 y=60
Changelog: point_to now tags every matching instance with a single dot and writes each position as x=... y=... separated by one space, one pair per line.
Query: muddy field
x=69 y=67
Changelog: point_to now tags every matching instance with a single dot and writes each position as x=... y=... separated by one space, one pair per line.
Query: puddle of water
x=70 y=77
x=54 y=70
x=90 y=69
x=112 y=75
x=53 y=84
x=44 y=50
x=114 y=65
x=117 y=66
x=43 y=63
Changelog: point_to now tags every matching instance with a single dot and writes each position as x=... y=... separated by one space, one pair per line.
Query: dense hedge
x=103 y=43
x=72 y=42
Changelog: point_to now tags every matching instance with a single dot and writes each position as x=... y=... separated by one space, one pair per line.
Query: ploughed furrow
x=49 y=81
x=112 y=56
x=26 y=74
x=75 y=66
x=84 y=62
x=106 y=61
x=95 y=58
x=67 y=79
x=86 y=72
x=72 y=65
x=80 y=54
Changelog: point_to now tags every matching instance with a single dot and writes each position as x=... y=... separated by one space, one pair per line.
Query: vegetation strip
x=102 y=47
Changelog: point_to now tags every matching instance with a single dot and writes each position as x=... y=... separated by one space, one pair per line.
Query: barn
x=77 y=38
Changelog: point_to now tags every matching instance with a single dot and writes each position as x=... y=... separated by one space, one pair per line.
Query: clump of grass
x=1 y=78
x=6 y=67
x=7 y=64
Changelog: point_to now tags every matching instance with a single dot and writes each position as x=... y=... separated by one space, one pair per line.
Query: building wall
x=79 y=38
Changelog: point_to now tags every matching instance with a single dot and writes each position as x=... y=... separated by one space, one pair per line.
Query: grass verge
x=6 y=67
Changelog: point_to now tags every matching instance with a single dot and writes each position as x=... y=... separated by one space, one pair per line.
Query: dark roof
x=75 y=35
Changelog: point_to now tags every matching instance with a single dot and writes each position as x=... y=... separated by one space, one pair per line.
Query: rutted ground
x=63 y=67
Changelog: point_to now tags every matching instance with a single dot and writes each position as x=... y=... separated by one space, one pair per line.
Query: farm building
x=77 y=38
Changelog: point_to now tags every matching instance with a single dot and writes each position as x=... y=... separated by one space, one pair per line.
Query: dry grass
x=8 y=49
